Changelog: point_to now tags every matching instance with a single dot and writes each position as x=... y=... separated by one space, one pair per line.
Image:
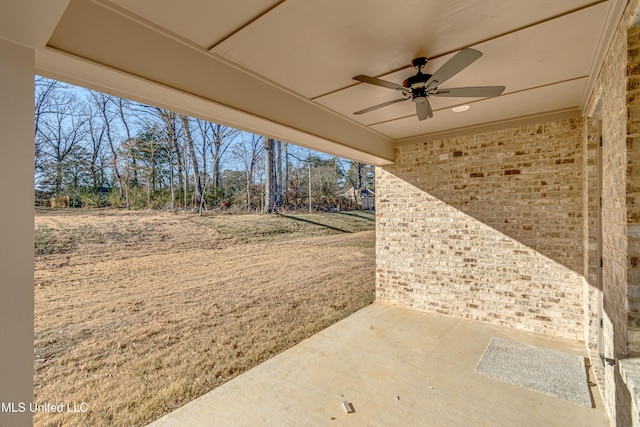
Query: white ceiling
x=291 y=62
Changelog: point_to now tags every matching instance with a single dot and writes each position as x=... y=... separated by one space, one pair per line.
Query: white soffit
x=86 y=32
x=545 y=55
x=291 y=62
x=315 y=48
x=30 y=22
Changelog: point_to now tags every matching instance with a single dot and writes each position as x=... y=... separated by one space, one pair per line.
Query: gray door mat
x=546 y=371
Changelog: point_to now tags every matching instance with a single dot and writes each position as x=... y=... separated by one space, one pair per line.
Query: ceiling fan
x=420 y=87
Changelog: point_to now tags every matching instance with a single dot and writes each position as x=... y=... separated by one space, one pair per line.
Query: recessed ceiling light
x=460 y=108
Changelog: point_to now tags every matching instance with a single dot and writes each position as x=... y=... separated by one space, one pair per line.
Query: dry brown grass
x=137 y=313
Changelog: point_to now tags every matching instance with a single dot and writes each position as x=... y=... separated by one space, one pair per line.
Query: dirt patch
x=138 y=313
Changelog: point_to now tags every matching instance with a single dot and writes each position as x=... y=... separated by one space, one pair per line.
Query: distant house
x=368 y=199
x=361 y=199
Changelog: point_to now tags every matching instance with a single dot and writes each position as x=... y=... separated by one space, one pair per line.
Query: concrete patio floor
x=397 y=367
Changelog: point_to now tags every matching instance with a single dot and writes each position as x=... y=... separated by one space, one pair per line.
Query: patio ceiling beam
x=120 y=56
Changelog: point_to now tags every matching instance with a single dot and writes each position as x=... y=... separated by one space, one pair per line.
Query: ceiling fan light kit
x=421 y=86
x=460 y=108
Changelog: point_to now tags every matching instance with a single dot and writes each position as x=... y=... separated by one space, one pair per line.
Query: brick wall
x=633 y=189
x=616 y=91
x=591 y=258
x=488 y=227
x=502 y=226
x=612 y=89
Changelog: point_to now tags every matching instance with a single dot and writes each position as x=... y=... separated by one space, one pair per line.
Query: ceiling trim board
x=569 y=113
x=356 y=83
x=245 y=25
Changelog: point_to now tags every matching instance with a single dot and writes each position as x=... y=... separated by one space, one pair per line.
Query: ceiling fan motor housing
x=419 y=80
x=416 y=82
x=419 y=63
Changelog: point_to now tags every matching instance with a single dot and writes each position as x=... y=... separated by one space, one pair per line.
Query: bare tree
x=124 y=112
x=204 y=128
x=249 y=152
x=215 y=140
x=186 y=127
x=59 y=134
x=278 y=186
x=44 y=88
x=103 y=105
x=97 y=134
x=169 y=120
x=286 y=173
x=222 y=137
x=354 y=179
x=44 y=92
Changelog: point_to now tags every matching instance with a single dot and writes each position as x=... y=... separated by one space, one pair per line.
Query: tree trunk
x=359 y=167
x=217 y=181
x=151 y=174
x=310 y=197
x=185 y=168
x=278 y=197
x=123 y=118
x=171 y=184
x=248 y=190
x=178 y=151
x=169 y=120
x=270 y=176
x=58 y=179
x=286 y=173
x=101 y=101
x=194 y=161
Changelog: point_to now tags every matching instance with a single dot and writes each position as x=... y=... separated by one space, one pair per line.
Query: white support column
x=16 y=232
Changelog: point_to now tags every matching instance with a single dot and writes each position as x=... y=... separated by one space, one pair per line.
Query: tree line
x=97 y=150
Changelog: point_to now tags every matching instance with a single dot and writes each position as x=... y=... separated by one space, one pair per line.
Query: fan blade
x=383 y=83
x=423 y=109
x=384 y=104
x=470 y=92
x=459 y=62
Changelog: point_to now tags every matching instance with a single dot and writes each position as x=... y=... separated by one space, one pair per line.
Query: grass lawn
x=138 y=313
